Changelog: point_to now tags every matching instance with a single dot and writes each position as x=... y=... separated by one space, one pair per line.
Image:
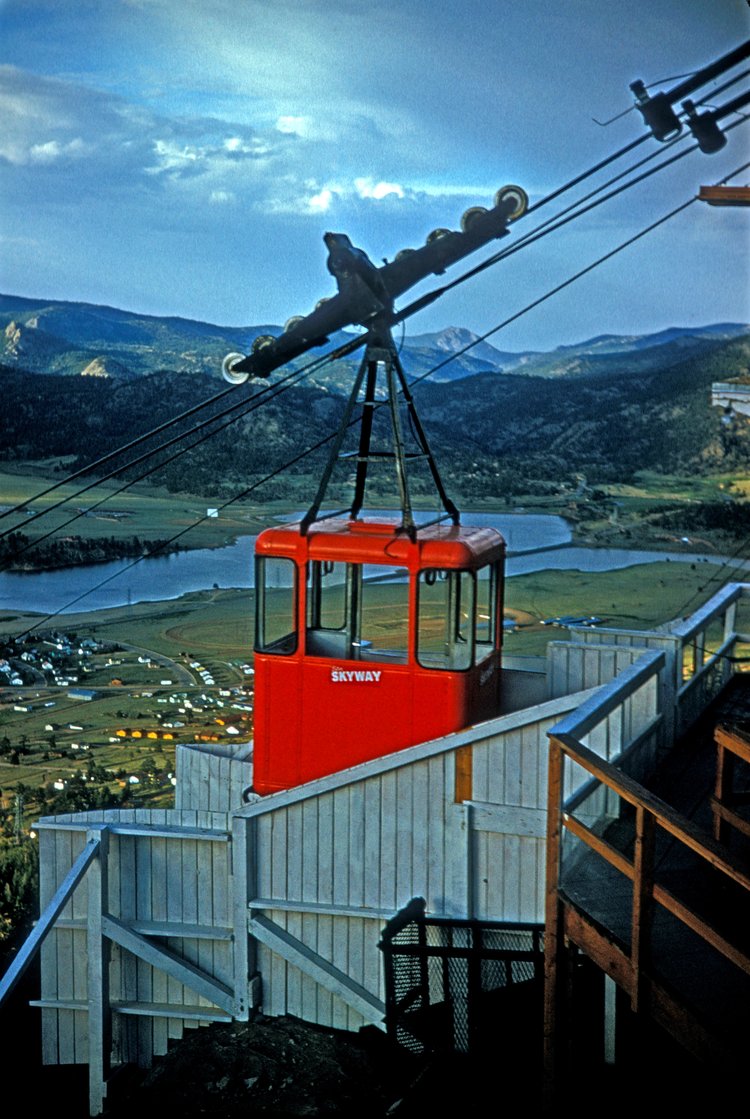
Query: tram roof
x=384 y=541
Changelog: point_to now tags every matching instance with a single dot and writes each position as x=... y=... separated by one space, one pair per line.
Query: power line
x=244 y=407
x=349 y=347
x=688 y=84
x=113 y=454
x=550 y=226
x=321 y=443
x=178 y=535
x=728 y=562
x=554 y=224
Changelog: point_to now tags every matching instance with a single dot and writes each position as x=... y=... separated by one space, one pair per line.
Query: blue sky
x=185 y=157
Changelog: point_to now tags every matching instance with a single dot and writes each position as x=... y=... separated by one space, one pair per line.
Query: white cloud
x=296 y=126
x=222 y=197
x=366 y=188
x=235 y=145
x=54 y=150
x=171 y=157
x=321 y=201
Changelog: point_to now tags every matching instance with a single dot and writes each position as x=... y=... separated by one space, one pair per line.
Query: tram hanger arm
x=367 y=292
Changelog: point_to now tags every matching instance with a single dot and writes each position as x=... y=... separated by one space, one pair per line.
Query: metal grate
x=448 y=981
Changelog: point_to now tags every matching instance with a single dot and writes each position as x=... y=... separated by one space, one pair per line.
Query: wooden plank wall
x=574 y=667
x=336 y=858
x=161 y=878
x=211 y=779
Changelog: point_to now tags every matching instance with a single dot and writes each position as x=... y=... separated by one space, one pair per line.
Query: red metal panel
x=317 y=715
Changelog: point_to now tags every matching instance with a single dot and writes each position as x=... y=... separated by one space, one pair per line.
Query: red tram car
x=369 y=640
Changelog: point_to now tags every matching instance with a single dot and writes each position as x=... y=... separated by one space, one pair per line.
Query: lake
x=536 y=542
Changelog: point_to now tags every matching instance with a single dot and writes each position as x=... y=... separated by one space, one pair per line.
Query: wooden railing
x=699 y=651
x=632 y=967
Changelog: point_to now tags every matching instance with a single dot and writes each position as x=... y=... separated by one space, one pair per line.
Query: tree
x=19 y=883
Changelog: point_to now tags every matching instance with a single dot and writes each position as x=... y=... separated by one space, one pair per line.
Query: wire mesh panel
x=450 y=983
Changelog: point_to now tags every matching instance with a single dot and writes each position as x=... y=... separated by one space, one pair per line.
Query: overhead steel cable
x=113 y=454
x=178 y=535
x=327 y=439
x=564 y=284
x=736 y=562
x=547 y=227
x=269 y=393
x=553 y=224
x=707 y=73
x=689 y=83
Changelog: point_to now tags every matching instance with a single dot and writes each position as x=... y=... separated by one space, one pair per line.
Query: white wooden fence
x=206 y=911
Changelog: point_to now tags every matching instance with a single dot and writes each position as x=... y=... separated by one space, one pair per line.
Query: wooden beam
x=735 y=955
x=599 y=946
x=722 y=812
x=731 y=746
x=97 y=980
x=554 y=944
x=464 y=764
x=643 y=903
x=725 y=195
x=181 y=970
x=318 y=968
x=43 y=927
x=614 y=857
x=142 y=1009
x=735 y=741
x=683 y=829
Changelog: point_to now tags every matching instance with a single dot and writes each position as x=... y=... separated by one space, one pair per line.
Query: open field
x=151 y=512
x=640 y=597
x=144 y=511
x=673 y=487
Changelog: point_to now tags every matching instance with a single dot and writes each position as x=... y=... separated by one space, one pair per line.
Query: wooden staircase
x=655 y=895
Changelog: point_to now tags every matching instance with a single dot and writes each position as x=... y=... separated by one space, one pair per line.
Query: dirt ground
x=279 y=1067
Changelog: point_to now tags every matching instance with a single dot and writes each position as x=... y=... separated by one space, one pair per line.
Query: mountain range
x=80 y=381
x=81 y=339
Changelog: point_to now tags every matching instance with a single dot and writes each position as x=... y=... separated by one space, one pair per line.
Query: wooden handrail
x=631 y=969
x=665 y=816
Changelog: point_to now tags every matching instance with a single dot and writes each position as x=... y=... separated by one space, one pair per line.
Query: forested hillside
x=608 y=427
x=493 y=434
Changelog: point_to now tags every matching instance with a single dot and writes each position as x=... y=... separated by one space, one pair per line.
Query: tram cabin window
x=456 y=622
x=275 y=612
x=486 y=610
x=352 y=616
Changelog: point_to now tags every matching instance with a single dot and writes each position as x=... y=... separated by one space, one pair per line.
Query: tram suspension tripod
x=381 y=353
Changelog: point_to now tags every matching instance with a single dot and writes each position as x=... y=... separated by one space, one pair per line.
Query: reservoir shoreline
x=535 y=542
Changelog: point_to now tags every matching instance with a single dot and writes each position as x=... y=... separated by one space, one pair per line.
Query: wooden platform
x=682 y=971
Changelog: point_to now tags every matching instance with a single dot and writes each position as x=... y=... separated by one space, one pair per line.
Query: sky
x=185 y=157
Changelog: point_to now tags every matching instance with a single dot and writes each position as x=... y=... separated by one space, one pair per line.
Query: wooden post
x=721 y=787
x=463 y=777
x=554 y=948
x=239 y=857
x=643 y=895
x=97 y=974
